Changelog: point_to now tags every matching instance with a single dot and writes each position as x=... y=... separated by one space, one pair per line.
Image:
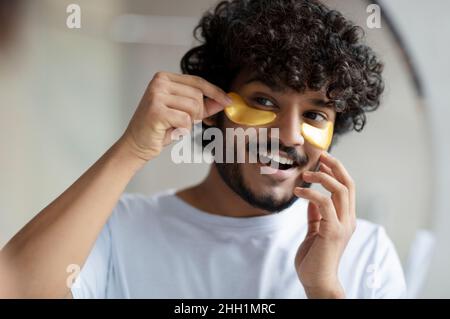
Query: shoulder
x=134 y=209
x=372 y=253
x=370 y=235
x=370 y=241
x=136 y=203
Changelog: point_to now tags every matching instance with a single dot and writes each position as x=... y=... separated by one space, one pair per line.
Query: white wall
x=59 y=93
x=427 y=28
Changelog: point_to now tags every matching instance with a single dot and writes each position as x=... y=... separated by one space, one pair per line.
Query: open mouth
x=276 y=161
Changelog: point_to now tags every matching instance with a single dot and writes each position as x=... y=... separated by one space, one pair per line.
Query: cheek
x=313 y=154
x=231 y=126
x=228 y=124
x=232 y=142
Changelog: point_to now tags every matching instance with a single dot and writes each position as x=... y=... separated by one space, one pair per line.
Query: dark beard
x=232 y=176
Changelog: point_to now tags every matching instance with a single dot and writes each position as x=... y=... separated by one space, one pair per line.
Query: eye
x=262 y=101
x=317 y=117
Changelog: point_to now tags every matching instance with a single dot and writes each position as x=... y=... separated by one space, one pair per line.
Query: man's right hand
x=171 y=101
x=64 y=232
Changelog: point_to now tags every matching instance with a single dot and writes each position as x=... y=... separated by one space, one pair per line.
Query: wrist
x=124 y=154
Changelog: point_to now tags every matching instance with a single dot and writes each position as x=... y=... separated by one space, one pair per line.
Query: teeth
x=276 y=158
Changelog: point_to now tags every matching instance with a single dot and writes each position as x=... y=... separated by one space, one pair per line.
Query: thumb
x=211 y=107
x=314 y=218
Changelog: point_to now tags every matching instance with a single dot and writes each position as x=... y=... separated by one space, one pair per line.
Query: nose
x=289 y=125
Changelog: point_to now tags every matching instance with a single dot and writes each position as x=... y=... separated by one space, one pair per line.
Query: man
x=238 y=233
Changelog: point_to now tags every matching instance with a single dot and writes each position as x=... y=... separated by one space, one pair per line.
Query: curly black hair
x=296 y=43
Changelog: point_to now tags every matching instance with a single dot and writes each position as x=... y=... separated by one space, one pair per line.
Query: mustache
x=298 y=158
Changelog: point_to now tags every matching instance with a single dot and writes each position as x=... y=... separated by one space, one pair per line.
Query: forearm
x=64 y=232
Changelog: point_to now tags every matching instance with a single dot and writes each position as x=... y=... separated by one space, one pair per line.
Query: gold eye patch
x=241 y=113
x=319 y=137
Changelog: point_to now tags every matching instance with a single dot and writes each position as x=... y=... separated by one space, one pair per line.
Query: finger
x=325 y=169
x=208 y=89
x=211 y=107
x=184 y=104
x=199 y=108
x=324 y=203
x=314 y=219
x=178 y=123
x=339 y=192
x=337 y=168
x=342 y=176
x=184 y=90
x=179 y=119
x=168 y=137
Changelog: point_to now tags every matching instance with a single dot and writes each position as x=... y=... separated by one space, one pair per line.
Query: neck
x=214 y=196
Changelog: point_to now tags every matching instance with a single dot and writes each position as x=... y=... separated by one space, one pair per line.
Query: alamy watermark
x=260 y=141
x=71 y=280
x=73 y=20
x=374 y=19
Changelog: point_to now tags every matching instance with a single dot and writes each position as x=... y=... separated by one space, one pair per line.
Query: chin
x=261 y=191
x=269 y=184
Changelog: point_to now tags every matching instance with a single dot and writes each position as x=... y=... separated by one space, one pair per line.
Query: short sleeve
x=92 y=280
x=385 y=278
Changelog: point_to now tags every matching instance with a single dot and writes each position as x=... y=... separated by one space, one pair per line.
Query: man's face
x=274 y=192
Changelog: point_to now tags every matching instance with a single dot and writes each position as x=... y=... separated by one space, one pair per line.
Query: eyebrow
x=321 y=102
x=271 y=84
x=278 y=88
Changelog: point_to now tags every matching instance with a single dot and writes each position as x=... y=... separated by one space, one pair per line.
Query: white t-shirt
x=161 y=247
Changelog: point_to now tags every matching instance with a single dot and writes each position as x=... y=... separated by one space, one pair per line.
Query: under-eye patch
x=241 y=113
x=319 y=137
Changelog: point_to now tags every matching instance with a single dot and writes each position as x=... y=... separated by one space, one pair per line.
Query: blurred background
x=67 y=94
